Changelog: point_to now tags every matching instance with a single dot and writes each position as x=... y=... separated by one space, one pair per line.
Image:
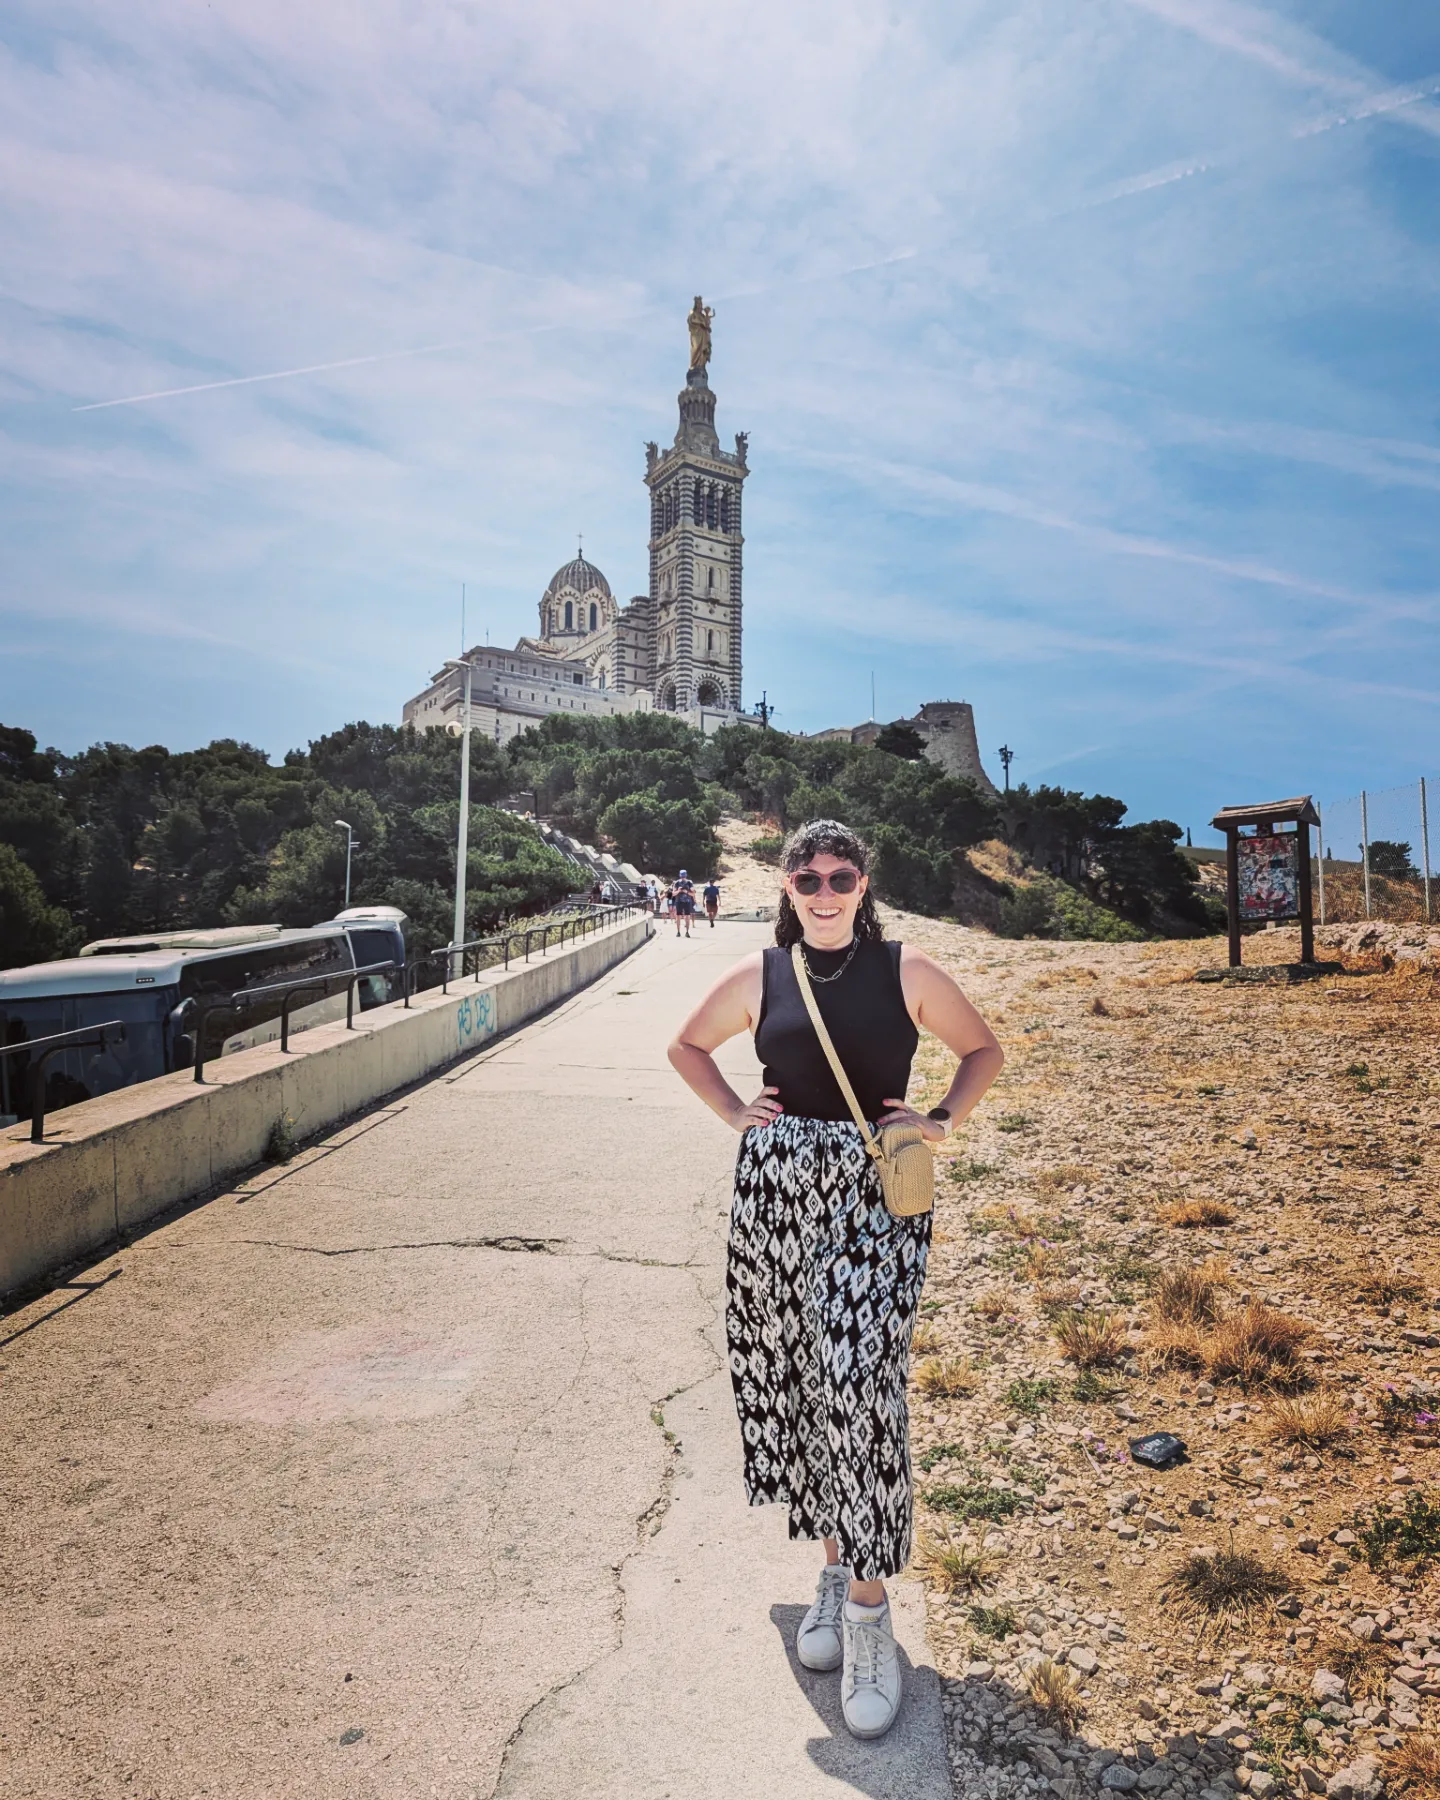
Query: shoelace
x=869 y=1652
x=831 y=1599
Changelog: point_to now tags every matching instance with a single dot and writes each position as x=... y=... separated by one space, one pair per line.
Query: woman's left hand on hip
x=901 y=1114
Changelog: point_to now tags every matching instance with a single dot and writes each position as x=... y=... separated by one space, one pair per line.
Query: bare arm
x=731 y=1006
x=936 y=1004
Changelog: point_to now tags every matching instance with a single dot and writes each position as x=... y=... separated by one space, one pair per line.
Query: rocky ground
x=1164 y=1167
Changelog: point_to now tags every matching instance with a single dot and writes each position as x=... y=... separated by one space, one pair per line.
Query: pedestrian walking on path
x=823 y=1280
x=684 y=902
x=710 y=894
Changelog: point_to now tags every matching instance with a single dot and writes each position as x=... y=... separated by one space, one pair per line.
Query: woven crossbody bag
x=902 y=1154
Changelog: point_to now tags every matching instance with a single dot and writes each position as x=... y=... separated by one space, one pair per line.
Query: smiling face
x=827 y=918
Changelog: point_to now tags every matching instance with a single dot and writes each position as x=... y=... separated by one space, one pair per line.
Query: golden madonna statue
x=699 y=323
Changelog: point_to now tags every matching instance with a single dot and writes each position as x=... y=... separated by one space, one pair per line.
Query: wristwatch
x=941 y=1115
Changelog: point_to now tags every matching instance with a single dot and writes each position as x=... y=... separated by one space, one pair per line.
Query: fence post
x=1365 y=846
x=1425 y=844
x=1320 y=862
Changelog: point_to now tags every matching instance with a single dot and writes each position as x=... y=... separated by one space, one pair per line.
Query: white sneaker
x=817 y=1643
x=870 y=1686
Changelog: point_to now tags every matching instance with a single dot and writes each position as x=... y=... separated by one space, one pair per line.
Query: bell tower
x=695 y=548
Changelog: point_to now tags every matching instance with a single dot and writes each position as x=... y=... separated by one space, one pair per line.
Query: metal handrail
x=111 y=1032
x=578 y=926
x=313 y=984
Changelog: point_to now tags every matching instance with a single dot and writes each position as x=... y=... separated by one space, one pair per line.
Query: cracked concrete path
x=353 y=1480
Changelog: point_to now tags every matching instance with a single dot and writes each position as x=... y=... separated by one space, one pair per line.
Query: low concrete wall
x=109 y=1164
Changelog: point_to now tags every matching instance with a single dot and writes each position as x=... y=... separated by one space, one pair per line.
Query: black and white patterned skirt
x=823 y=1286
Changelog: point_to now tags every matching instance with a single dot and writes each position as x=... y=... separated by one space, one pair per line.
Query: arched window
x=667 y=697
x=709 y=694
x=569 y=616
x=594 y=615
x=710 y=582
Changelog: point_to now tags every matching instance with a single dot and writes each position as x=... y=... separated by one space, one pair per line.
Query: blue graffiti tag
x=475 y=1019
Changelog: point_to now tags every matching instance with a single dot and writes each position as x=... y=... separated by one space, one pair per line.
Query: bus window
x=266 y=965
x=374 y=944
x=88 y=1070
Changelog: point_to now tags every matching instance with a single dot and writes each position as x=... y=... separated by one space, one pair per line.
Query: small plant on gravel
x=939 y=1453
x=957 y=1565
x=1413 y=1767
x=1062 y=1177
x=1187 y=1215
x=1256 y=1345
x=1057 y=1297
x=1226 y=1584
x=967 y=1168
x=925 y=1338
x=1379 y=1286
x=1364 y=1668
x=1043 y=1262
x=1313 y=1420
x=1055 y=1694
x=1026 y=1396
x=993 y=1621
x=1407 y=1409
x=281 y=1144
x=974 y=1500
x=946 y=1377
x=1030 y=1475
x=1013 y=1121
x=997 y=1303
x=1411 y=1535
x=1191 y=1296
x=1089 y=1386
x=1091 y=1340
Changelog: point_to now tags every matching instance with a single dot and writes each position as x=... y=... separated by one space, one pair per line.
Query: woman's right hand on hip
x=764 y=1109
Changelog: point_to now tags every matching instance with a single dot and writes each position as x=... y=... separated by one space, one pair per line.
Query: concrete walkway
x=411 y=1469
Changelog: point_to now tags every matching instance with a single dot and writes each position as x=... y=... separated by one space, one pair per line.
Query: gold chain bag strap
x=903 y=1157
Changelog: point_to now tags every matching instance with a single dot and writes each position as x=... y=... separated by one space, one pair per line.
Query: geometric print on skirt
x=823 y=1286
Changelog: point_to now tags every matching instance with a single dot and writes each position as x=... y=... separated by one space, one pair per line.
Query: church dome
x=580 y=577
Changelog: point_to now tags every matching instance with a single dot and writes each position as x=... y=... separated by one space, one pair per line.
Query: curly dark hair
x=825 y=837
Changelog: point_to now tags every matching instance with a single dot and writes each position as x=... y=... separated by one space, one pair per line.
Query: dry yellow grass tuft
x=1364 y=1668
x=1191 y=1296
x=1058 y=1297
x=1187 y=1215
x=957 y=1564
x=1223 y=1585
x=946 y=1377
x=1313 y=1420
x=1091 y=1340
x=997 y=1303
x=1413 y=1767
x=1055 y=1693
x=1378 y=1286
x=925 y=1339
x=1256 y=1345
x=1063 y=1177
x=1043 y=1262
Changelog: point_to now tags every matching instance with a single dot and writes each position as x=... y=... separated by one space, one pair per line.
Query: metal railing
x=574 y=928
x=98 y=1036
x=302 y=984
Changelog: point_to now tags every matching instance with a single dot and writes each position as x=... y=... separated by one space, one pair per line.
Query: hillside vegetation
x=120 y=840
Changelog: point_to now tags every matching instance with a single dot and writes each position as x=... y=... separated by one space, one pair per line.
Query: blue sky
x=1088 y=355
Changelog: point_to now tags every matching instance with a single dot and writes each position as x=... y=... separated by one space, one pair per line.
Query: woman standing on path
x=823 y=1281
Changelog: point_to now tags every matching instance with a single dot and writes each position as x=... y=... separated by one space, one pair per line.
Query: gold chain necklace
x=854 y=946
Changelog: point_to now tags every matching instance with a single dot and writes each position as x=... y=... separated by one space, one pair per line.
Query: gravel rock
x=1120 y=1778
x=1325 y=1685
x=1359 y=1780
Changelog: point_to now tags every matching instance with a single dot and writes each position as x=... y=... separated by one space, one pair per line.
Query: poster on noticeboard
x=1270 y=876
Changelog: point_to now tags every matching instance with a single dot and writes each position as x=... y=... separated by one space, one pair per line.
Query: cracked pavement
x=410 y=1468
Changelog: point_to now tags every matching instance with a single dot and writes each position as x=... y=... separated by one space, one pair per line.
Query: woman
x=823 y=1282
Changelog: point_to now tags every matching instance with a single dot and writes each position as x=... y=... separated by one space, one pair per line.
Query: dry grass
x=1188 y=1215
x=1055 y=1694
x=1063 y=1177
x=1313 y=1420
x=1255 y=1345
x=1378 y=1286
x=1093 y=1340
x=1191 y=1296
x=1414 y=1766
x=1099 y=1008
x=1365 y=1668
x=956 y=1564
x=1227 y=1585
x=1043 y=1262
x=946 y=1377
x=997 y=1303
x=1057 y=1297
x=925 y=1339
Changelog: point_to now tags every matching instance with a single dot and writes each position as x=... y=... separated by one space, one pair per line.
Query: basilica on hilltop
x=677 y=647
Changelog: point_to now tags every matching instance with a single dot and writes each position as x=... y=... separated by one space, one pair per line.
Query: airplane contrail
x=205 y=387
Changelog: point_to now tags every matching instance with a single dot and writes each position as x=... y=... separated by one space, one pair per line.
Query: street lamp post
x=1007 y=756
x=349 y=851
x=462 y=842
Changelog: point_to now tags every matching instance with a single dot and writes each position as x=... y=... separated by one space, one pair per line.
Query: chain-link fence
x=1375 y=856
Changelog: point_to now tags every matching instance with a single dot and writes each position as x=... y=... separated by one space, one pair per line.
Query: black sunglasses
x=839 y=881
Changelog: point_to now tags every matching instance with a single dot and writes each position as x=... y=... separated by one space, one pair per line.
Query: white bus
x=157 y=987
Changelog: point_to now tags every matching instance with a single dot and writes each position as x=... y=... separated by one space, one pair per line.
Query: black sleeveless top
x=865 y=1014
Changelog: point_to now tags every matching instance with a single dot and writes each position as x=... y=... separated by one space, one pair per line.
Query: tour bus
x=377 y=935
x=157 y=988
